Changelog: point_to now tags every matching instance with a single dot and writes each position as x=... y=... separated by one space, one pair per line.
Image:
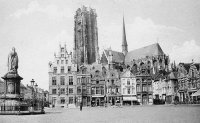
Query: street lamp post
x=32 y=104
x=32 y=83
x=36 y=95
x=81 y=93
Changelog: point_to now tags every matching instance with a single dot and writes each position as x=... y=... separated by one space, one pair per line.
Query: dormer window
x=62 y=49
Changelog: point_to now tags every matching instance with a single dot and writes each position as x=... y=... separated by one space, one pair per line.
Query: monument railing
x=12 y=108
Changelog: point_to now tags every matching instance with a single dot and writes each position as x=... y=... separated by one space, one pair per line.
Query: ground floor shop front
x=102 y=100
x=182 y=96
x=75 y=101
x=98 y=101
x=62 y=101
x=145 y=98
x=112 y=100
x=170 y=99
x=129 y=100
x=86 y=100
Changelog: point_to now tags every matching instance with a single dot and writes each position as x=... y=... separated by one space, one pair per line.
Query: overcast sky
x=36 y=28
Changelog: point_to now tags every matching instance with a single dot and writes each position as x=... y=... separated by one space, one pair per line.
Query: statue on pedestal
x=12 y=61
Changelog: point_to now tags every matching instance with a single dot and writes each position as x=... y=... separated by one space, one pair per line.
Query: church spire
x=124 y=42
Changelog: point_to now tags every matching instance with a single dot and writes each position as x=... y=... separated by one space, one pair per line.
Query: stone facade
x=113 y=87
x=165 y=85
x=128 y=88
x=172 y=87
x=188 y=81
x=2 y=88
x=144 y=89
x=62 y=79
x=84 y=86
x=161 y=89
x=70 y=85
x=98 y=85
x=157 y=89
x=86 y=49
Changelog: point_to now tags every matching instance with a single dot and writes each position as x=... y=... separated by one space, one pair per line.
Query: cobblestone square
x=134 y=114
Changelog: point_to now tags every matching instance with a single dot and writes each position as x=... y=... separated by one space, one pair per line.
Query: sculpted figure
x=12 y=61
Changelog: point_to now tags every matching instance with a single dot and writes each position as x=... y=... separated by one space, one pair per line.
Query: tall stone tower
x=124 y=42
x=86 y=49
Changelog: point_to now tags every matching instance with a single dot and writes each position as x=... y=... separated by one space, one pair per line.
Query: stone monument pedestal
x=11 y=101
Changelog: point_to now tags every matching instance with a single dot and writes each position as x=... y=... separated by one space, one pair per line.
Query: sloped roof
x=112 y=72
x=197 y=65
x=127 y=73
x=29 y=87
x=22 y=85
x=196 y=93
x=187 y=65
x=173 y=75
x=117 y=56
x=151 y=50
x=162 y=74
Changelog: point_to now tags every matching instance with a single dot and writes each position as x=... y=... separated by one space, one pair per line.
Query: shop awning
x=130 y=98
x=196 y=93
x=114 y=95
x=98 y=96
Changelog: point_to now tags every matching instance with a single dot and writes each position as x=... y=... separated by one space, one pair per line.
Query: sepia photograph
x=99 y=61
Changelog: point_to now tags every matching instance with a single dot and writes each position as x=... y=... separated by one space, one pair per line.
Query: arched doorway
x=98 y=102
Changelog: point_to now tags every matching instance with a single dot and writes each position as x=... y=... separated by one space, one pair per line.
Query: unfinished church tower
x=86 y=49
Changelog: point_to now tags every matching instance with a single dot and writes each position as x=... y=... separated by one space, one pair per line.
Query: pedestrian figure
x=81 y=106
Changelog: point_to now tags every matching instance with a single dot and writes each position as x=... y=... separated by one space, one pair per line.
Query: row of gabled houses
x=182 y=82
x=112 y=83
x=138 y=76
x=188 y=81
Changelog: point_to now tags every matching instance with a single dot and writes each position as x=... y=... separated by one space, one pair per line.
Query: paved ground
x=134 y=114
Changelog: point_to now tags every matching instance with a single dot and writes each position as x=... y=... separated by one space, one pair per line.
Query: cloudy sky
x=36 y=28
